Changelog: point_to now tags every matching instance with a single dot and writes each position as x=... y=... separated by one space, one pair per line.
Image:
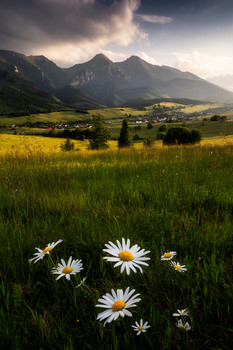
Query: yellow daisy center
x=167 y=255
x=182 y=328
x=67 y=269
x=181 y=314
x=125 y=255
x=118 y=305
x=46 y=250
x=177 y=267
x=140 y=328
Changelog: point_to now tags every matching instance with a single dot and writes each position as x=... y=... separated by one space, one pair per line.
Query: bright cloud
x=154 y=18
x=147 y=58
x=114 y=56
x=194 y=62
x=202 y=64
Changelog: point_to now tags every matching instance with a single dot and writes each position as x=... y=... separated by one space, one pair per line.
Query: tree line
x=99 y=136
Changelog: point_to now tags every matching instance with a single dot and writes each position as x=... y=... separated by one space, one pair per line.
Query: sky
x=190 y=35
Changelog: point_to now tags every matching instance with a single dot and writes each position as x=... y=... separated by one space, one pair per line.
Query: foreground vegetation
x=163 y=198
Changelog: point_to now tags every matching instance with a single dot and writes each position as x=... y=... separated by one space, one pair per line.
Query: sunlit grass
x=21 y=144
x=165 y=198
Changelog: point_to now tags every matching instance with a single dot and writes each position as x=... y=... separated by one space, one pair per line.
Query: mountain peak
x=100 y=58
x=135 y=58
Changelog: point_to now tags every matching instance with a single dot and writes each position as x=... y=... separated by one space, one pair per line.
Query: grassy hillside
x=115 y=115
x=177 y=199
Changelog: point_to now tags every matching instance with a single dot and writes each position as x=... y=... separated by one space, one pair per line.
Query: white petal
x=118 y=264
x=111 y=258
x=127 y=312
x=119 y=246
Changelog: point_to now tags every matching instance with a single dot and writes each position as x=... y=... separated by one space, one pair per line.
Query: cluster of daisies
x=117 y=303
x=63 y=269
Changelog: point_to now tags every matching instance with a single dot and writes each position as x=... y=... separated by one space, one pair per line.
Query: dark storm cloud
x=41 y=22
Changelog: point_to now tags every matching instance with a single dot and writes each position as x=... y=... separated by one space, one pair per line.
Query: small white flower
x=71 y=268
x=117 y=304
x=128 y=258
x=140 y=327
x=183 y=327
x=178 y=267
x=81 y=282
x=45 y=251
x=181 y=313
x=168 y=255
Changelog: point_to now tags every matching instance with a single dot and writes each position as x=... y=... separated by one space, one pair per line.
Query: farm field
x=163 y=199
x=24 y=145
x=114 y=116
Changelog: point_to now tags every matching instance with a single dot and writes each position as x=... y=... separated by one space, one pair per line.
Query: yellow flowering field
x=22 y=144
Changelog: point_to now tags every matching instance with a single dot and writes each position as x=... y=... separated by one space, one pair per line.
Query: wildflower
x=46 y=250
x=181 y=313
x=168 y=255
x=117 y=304
x=183 y=327
x=140 y=327
x=71 y=268
x=178 y=267
x=128 y=258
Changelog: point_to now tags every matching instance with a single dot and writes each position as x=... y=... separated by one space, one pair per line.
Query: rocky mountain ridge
x=104 y=82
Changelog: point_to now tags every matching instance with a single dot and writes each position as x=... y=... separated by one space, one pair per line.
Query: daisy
x=71 y=268
x=178 y=267
x=117 y=304
x=183 y=327
x=168 y=255
x=126 y=256
x=46 y=250
x=181 y=313
x=141 y=327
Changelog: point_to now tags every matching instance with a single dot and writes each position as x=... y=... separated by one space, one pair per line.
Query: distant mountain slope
x=225 y=81
x=43 y=73
x=18 y=95
x=112 y=83
x=198 y=89
x=74 y=96
x=18 y=64
x=55 y=76
x=101 y=81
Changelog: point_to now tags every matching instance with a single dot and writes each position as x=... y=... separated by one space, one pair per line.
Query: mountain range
x=40 y=83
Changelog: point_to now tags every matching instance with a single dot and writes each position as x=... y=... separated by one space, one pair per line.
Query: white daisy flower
x=45 y=251
x=140 y=327
x=168 y=255
x=178 y=267
x=181 y=313
x=128 y=258
x=71 y=268
x=117 y=304
x=183 y=327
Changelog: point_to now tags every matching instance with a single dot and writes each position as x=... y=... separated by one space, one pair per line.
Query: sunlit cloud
x=154 y=18
x=147 y=58
x=114 y=56
x=202 y=64
x=68 y=31
x=194 y=62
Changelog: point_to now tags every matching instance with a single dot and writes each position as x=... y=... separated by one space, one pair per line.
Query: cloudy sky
x=191 y=35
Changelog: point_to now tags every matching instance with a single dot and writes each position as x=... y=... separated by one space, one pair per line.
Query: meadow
x=162 y=198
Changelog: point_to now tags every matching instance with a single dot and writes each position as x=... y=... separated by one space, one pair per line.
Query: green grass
x=177 y=198
x=114 y=116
